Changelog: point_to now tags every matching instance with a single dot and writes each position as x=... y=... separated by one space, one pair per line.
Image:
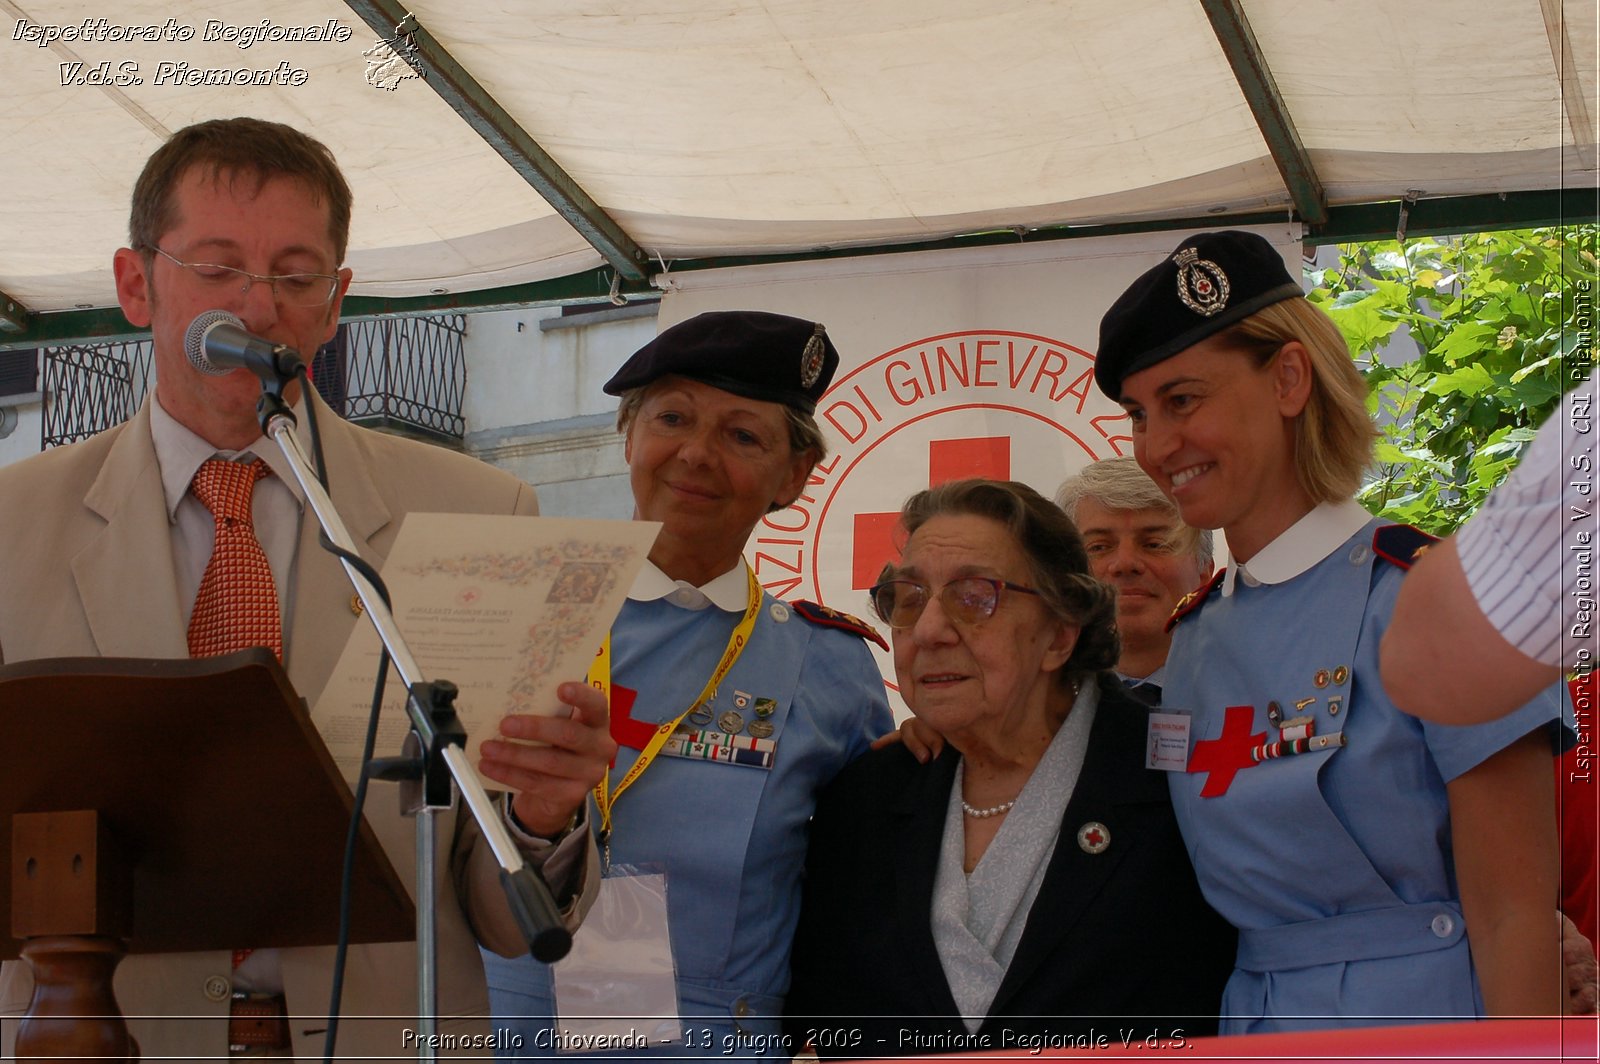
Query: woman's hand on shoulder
x=919 y=739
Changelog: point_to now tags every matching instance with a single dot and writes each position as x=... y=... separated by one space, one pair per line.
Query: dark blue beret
x=1209 y=282
x=772 y=357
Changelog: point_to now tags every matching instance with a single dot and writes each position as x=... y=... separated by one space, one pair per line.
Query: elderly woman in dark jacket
x=1028 y=887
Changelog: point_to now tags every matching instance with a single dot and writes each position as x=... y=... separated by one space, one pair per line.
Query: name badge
x=1168 y=747
x=618 y=987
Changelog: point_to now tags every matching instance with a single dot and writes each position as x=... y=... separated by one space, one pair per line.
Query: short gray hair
x=1119 y=484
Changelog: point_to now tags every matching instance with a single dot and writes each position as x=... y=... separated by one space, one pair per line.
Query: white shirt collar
x=180 y=452
x=1157 y=677
x=1300 y=546
x=726 y=592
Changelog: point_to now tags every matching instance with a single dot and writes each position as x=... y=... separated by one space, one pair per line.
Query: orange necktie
x=237 y=606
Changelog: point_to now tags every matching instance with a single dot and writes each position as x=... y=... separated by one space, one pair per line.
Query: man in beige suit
x=106 y=546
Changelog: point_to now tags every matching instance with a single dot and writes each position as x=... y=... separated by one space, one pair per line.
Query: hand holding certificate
x=507 y=608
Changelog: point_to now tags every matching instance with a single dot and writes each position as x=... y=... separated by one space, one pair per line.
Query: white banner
x=956 y=363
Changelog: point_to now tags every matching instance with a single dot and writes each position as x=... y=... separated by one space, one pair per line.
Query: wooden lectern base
x=69 y=903
x=199 y=821
x=74 y=1014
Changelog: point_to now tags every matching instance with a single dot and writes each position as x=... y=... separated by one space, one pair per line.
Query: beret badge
x=813 y=357
x=1202 y=285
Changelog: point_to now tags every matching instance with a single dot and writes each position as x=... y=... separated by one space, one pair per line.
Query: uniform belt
x=258 y=1022
x=1398 y=931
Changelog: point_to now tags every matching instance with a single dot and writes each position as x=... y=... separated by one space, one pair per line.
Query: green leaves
x=1364 y=326
x=1464 y=343
x=1465 y=382
x=1468 y=340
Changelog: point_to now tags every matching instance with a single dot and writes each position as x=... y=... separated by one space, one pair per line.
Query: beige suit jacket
x=86 y=568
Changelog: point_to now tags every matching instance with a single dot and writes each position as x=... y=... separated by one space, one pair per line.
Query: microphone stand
x=435 y=752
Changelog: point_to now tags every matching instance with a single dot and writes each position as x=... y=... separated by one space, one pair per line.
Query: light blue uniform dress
x=731 y=837
x=1335 y=863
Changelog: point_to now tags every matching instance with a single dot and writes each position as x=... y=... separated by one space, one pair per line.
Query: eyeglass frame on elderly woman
x=228 y=274
x=962 y=613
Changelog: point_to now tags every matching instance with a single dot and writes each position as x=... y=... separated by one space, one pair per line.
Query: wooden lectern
x=166 y=806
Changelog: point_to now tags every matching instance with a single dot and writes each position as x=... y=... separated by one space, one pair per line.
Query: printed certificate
x=506 y=608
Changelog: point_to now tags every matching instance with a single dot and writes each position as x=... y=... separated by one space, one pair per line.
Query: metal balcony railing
x=91 y=387
x=406 y=373
x=400 y=374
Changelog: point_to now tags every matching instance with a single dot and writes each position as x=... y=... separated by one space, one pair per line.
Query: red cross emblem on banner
x=1229 y=752
x=983 y=456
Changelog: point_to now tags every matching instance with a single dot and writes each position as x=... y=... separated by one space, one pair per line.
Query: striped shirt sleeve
x=1528 y=552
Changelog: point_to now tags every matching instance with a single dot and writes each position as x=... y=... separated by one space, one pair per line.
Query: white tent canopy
x=708 y=129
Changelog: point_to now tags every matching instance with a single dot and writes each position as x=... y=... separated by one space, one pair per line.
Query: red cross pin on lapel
x=1229 y=752
x=1093 y=837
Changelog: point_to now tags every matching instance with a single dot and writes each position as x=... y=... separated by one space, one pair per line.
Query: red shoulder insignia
x=1401 y=545
x=829 y=617
x=1192 y=601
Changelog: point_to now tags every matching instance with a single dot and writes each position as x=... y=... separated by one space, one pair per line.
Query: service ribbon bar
x=717 y=738
x=678 y=746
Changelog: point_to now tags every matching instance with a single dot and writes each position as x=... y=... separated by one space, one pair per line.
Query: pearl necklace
x=993 y=810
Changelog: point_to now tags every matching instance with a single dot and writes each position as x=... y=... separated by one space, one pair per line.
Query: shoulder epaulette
x=829 y=617
x=1191 y=602
x=1401 y=545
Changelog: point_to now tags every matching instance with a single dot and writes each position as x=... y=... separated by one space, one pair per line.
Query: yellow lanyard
x=600 y=677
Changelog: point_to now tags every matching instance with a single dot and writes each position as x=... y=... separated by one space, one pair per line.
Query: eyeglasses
x=289 y=289
x=969 y=600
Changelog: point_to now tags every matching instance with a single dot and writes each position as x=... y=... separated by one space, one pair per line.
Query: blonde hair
x=1334 y=434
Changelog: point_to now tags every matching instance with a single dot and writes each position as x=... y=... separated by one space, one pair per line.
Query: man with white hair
x=1138 y=544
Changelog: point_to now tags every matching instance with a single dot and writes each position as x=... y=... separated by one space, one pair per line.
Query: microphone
x=216 y=343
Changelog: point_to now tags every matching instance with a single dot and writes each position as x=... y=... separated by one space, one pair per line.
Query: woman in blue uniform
x=731 y=710
x=1377 y=867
